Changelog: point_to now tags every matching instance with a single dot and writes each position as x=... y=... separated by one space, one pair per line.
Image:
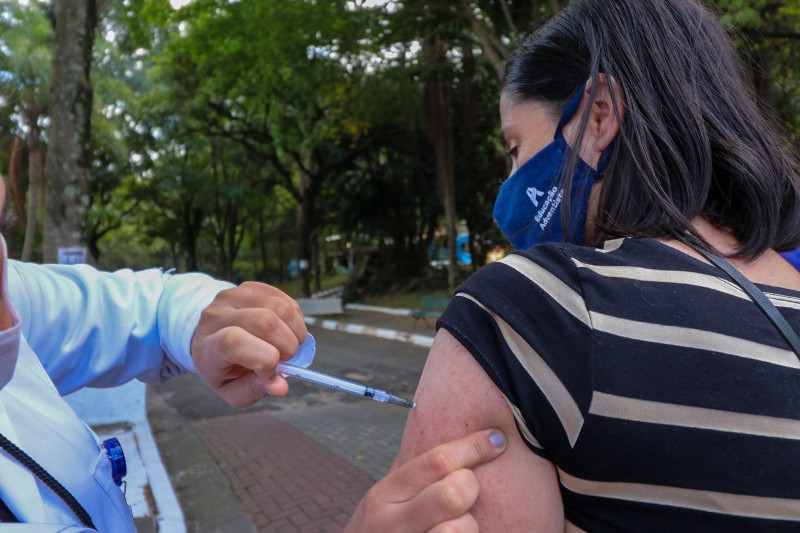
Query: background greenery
x=232 y=136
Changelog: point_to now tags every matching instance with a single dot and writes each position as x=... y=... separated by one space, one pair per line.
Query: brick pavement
x=287 y=481
x=366 y=434
x=296 y=464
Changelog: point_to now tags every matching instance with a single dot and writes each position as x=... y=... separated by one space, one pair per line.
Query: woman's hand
x=242 y=336
x=432 y=492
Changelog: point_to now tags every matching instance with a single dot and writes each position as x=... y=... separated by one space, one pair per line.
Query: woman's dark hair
x=692 y=141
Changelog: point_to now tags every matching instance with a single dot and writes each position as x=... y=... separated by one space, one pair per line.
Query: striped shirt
x=665 y=398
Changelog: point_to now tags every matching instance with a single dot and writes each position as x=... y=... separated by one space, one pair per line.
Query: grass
x=408 y=297
x=405 y=300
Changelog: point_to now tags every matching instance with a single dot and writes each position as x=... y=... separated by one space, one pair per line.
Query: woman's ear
x=605 y=117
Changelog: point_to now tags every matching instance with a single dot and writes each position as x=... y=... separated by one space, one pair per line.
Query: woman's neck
x=768 y=268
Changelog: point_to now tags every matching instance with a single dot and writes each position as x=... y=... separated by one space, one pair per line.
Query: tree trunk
x=234 y=236
x=192 y=219
x=304 y=215
x=262 y=246
x=35 y=177
x=69 y=154
x=491 y=44
x=307 y=227
x=281 y=258
x=15 y=179
x=315 y=262
x=438 y=95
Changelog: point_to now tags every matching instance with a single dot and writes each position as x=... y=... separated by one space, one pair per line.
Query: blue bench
x=430 y=306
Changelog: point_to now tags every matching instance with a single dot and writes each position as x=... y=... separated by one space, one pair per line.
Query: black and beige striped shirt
x=663 y=395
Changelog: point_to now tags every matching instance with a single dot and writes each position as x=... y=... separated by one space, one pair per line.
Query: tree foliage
x=25 y=57
x=232 y=137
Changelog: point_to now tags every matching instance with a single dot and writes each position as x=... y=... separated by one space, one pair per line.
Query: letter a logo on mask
x=533 y=194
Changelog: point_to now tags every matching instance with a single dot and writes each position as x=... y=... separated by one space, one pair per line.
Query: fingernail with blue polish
x=497 y=439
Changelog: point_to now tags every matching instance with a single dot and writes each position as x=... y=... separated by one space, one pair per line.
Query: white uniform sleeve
x=102 y=329
x=44 y=528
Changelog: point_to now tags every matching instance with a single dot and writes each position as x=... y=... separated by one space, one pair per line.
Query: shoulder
x=547 y=267
x=519 y=490
x=559 y=263
x=528 y=321
x=545 y=277
x=534 y=293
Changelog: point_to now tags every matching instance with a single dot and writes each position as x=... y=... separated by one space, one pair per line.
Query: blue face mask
x=528 y=207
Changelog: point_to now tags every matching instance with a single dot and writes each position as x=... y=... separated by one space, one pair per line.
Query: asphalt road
x=364 y=433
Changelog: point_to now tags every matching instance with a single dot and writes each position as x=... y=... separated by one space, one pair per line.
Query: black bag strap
x=66 y=496
x=759 y=298
x=6 y=516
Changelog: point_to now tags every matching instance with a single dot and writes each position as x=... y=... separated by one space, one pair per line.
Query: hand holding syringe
x=325 y=380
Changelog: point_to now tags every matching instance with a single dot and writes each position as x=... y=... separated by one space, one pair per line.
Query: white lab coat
x=76 y=327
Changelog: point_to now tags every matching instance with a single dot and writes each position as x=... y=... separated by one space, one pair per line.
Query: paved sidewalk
x=300 y=486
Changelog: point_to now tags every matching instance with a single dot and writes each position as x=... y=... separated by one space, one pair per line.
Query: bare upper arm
x=518 y=491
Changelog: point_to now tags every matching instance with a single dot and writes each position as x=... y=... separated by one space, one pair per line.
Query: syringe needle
x=333 y=382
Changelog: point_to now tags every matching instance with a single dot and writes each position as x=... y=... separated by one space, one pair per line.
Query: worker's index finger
x=252 y=295
x=468 y=452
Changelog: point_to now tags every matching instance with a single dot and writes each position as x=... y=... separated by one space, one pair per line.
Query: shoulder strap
x=66 y=496
x=759 y=298
x=6 y=515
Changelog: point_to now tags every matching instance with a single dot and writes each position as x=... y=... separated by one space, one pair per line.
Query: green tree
x=118 y=82
x=499 y=26
x=768 y=37
x=358 y=117
x=171 y=195
x=464 y=45
x=26 y=39
x=274 y=92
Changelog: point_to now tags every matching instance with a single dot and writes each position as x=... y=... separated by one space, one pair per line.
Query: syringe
x=325 y=380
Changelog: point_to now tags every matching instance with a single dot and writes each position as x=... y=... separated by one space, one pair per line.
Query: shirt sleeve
x=45 y=528
x=525 y=321
x=102 y=329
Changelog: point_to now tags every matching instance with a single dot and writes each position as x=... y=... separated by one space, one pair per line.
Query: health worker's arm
x=519 y=490
x=102 y=329
x=44 y=528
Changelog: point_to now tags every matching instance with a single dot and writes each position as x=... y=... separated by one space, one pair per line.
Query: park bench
x=430 y=306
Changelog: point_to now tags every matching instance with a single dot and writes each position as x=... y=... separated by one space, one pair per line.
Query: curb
x=386 y=310
x=358 y=329
x=170 y=515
